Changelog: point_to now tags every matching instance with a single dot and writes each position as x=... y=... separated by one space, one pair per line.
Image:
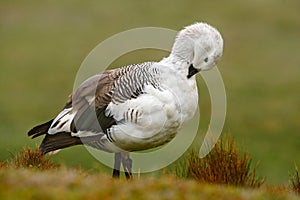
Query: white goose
x=135 y=107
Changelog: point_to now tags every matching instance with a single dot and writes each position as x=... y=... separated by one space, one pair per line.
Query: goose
x=135 y=107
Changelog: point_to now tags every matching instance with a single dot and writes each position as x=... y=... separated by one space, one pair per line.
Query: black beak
x=192 y=71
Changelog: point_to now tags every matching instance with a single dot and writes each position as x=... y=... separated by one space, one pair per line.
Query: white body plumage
x=155 y=117
x=140 y=106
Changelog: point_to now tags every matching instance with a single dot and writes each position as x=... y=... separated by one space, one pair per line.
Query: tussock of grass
x=32 y=158
x=295 y=180
x=223 y=165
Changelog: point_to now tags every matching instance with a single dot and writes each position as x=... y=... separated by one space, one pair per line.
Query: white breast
x=155 y=117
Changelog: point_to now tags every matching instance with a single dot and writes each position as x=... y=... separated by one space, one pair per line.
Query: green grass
x=43 y=44
x=30 y=175
x=77 y=184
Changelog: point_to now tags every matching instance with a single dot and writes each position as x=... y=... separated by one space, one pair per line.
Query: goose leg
x=117 y=165
x=127 y=164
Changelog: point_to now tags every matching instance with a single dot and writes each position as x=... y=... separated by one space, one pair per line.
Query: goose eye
x=206 y=59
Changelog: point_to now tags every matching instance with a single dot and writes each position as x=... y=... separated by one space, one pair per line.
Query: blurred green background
x=44 y=42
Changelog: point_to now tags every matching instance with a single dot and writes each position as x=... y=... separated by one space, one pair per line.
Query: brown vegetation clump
x=2 y=165
x=223 y=165
x=32 y=158
x=295 y=180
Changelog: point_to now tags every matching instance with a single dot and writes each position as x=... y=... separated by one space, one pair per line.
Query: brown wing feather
x=89 y=102
x=92 y=114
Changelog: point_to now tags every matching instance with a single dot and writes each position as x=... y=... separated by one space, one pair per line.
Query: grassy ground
x=77 y=184
x=43 y=44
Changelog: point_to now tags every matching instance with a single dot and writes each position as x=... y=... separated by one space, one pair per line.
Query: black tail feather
x=53 y=142
x=40 y=129
x=58 y=141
